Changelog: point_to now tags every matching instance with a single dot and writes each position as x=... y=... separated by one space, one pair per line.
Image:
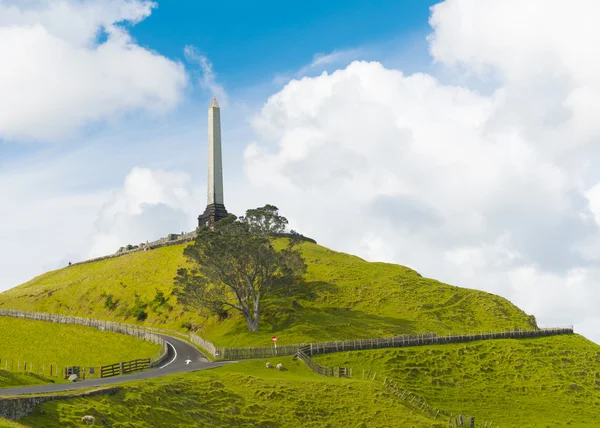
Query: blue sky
x=250 y=41
x=469 y=155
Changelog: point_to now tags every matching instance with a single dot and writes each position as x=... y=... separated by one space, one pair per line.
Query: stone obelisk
x=215 y=208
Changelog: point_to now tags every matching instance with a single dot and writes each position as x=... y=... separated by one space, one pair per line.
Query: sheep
x=279 y=366
x=269 y=365
x=88 y=419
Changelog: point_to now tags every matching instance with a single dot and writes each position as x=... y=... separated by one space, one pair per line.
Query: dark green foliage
x=160 y=301
x=138 y=310
x=235 y=266
x=110 y=303
x=265 y=220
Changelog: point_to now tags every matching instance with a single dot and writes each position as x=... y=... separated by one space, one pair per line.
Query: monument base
x=212 y=214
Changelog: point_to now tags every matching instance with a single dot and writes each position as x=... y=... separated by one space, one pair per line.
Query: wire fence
x=49 y=369
x=317 y=348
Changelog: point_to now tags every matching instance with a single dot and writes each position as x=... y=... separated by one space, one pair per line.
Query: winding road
x=180 y=353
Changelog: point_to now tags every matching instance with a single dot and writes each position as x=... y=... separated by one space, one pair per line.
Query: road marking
x=174 y=358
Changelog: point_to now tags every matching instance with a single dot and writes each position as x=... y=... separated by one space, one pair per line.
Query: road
x=179 y=352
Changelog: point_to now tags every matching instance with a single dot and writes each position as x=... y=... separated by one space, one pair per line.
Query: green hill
x=542 y=382
x=240 y=395
x=342 y=297
x=43 y=343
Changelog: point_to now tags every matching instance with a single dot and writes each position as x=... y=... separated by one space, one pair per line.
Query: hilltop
x=341 y=297
x=545 y=382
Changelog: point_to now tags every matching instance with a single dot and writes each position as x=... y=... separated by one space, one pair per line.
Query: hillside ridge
x=340 y=297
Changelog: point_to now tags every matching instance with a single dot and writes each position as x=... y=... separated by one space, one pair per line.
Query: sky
x=458 y=137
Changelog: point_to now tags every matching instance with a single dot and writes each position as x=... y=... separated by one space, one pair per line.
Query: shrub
x=139 y=309
x=110 y=303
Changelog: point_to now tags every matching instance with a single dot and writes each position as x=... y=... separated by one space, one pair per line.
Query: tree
x=235 y=266
x=265 y=220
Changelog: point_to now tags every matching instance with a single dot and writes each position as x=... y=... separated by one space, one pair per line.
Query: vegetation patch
x=542 y=382
x=41 y=342
x=5 y=423
x=340 y=297
x=11 y=379
x=245 y=395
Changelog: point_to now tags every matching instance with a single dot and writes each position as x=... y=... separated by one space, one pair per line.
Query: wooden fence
x=317 y=348
x=124 y=367
x=204 y=344
x=86 y=372
x=321 y=369
x=418 y=404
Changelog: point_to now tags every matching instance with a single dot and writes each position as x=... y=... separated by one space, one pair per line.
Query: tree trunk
x=252 y=323
x=254 y=316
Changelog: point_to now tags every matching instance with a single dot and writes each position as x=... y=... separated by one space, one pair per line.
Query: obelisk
x=215 y=208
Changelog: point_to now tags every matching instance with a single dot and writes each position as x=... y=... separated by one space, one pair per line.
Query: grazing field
x=5 y=423
x=10 y=379
x=543 y=382
x=41 y=342
x=244 y=395
x=341 y=297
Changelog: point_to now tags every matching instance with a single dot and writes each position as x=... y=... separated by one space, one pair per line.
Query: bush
x=110 y=303
x=160 y=301
x=139 y=309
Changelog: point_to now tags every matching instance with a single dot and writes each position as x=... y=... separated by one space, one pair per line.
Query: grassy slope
x=5 y=423
x=10 y=379
x=245 y=394
x=542 y=382
x=343 y=297
x=49 y=343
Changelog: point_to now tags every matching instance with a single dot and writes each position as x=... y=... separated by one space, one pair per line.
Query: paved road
x=179 y=352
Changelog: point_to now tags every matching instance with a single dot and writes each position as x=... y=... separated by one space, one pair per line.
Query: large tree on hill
x=265 y=220
x=235 y=266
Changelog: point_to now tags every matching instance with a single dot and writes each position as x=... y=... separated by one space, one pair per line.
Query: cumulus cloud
x=490 y=191
x=58 y=74
x=150 y=205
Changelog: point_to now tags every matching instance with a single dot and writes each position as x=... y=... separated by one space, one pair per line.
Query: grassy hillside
x=41 y=342
x=4 y=423
x=544 y=382
x=342 y=297
x=10 y=379
x=241 y=395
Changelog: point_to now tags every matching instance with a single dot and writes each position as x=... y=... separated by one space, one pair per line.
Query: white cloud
x=321 y=62
x=482 y=191
x=150 y=205
x=56 y=77
x=208 y=78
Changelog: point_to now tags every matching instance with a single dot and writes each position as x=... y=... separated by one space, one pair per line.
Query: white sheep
x=269 y=365
x=279 y=366
x=88 y=419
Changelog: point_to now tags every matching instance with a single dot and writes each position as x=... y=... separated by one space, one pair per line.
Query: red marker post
x=274 y=339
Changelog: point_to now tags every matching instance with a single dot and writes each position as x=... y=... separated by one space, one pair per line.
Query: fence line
x=301 y=354
x=85 y=372
x=204 y=344
x=417 y=403
x=317 y=348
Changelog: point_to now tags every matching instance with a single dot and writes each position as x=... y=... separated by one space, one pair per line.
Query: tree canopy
x=235 y=265
x=265 y=220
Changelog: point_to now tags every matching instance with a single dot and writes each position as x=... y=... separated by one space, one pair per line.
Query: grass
x=244 y=395
x=10 y=379
x=342 y=297
x=542 y=382
x=41 y=342
x=5 y=423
